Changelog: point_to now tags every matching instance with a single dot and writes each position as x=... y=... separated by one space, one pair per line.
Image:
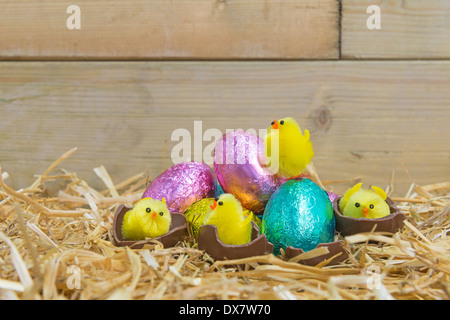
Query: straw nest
x=57 y=246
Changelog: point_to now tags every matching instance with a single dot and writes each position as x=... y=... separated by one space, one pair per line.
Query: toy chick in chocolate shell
x=364 y=203
x=228 y=216
x=150 y=218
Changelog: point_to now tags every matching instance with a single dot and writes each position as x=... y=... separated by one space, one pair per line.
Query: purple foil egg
x=332 y=196
x=182 y=185
x=238 y=164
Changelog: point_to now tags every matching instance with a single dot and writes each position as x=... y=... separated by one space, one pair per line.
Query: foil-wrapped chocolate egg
x=238 y=164
x=299 y=214
x=196 y=213
x=182 y=185
x=332 y=196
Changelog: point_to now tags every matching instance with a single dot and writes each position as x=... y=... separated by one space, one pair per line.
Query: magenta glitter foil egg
x=238 y=158
x=332 y=195
x=182 y=185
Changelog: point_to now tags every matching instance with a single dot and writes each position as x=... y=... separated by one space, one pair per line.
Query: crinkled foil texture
x=182 y=185
x=332 y=196
x=196 y=214
x=237 y=163
x=299 y=214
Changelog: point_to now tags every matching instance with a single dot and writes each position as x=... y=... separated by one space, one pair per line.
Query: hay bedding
x=57 y=246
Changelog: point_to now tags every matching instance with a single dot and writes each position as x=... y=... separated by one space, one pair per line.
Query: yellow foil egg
x=195 y=214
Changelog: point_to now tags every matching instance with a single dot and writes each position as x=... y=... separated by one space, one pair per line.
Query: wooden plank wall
x=372 y=104
x=410 y=29
x=162 y=29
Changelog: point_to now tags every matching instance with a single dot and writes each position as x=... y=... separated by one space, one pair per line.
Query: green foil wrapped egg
x=196 y=213
x=298 y=214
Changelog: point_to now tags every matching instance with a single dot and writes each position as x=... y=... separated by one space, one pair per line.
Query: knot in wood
x=322 y=118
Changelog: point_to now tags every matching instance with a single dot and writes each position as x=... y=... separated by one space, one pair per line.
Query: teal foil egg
x=298 y=214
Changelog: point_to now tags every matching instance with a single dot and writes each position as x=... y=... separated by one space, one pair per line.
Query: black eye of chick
x=148 y=210
x=282 y=122
x=371 y=206
x=273 y=122
x=161 y=214
x=357 y=204
x=220 y=203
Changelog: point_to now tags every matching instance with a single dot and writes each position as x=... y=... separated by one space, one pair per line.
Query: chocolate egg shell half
x=348 y=225
x=209 y=241
x=175 y=234
x=334 y=248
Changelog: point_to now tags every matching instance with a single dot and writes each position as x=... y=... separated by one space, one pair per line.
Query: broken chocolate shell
x=335 y=249
x=175 y=234
x=209 y=241
x=347 y=226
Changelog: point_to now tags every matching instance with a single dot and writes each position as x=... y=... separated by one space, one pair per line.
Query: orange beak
x=214 y=205
x=275 y=125
x=153 y=215
x=365 y=212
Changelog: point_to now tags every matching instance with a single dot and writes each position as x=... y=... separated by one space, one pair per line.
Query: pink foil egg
x=332 y=195
x=182 y=185
x=238 y=158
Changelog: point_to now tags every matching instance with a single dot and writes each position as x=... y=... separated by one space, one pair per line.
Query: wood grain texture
x=366 y=119
x=410 y=29
x=180 y=29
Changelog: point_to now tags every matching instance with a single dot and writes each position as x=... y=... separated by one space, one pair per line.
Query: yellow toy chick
x=295 y=149
x=362 y=203
x=227 y=215
x=149 y=218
